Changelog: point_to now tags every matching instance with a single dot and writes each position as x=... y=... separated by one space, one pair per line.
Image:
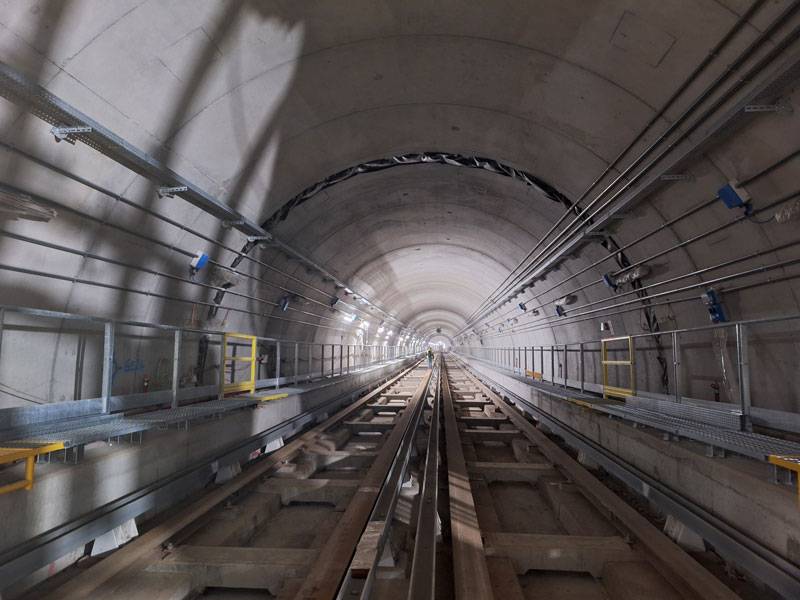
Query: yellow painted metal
x=790 y=462
x=610 y=391
x=535 y=374
x=271 y=397
x=249 y=384
x=12 y=455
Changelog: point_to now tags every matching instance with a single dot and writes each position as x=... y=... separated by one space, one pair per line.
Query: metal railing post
x=341 y=360
x=296 y=362
x=541 y=360
x=744 y=376
x=676 y=366
x=348 y=358
x=582 y=367
x=176 y=367
x=322 y=361
x=2 y=322
x=525 y=350
x=277 y=365
x=310 y=359
x=552 y=365
x=108 y=364
x=565 y=366
x=333 y=360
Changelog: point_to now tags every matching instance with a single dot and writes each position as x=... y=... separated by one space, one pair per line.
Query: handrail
x=505 y=357
x=331 y=359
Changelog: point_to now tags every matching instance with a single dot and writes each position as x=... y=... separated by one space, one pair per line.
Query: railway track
x=431 y=486
x=528 y=521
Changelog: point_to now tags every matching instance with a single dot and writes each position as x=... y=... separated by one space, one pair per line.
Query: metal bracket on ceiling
x=169 y=192
x=229 y=224
x=676 y=177
x=767 y=108
x=65 y=133
x=261 y=240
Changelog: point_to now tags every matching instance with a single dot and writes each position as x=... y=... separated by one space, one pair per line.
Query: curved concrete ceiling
x=256 y=101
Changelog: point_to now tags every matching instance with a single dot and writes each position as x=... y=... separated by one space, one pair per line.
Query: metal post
x=277 y=365
x=541 y=360
x=348 y=358
x=552 y=365
x=2 y=321
x=341 y=360
x=176 y=366
x=583 y=372
x=333 y=360
x=310 y=359
x=525 y=350
x=565 y=366
x=108 y=364
x=676 y=366
x=744 y=376
x=296 y=362
x=322 y=361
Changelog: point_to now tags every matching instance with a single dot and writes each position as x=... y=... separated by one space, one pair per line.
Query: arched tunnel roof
x=263 y=104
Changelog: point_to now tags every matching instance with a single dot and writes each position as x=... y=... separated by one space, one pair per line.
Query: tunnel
x=389 y=299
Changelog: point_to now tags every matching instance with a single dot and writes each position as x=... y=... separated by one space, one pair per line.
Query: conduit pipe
x=120 y=288
x=743 y=19
x=552 y=246
x=152 y=213
x=677 y=246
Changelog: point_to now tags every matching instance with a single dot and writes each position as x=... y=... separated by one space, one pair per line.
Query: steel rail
x=718 y=103
x=422 y=579
x=382 y=514
x=758 y=560
x=376 y=492
x=148 y=546
x=47 y=547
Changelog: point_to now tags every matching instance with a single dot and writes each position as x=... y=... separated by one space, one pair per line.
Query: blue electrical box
x=714 y=305
x=734 y=196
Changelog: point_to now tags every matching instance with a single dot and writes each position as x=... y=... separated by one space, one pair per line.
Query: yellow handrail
x=614 y=391
x=789 y=462
x=12 y=455
x=249 y=384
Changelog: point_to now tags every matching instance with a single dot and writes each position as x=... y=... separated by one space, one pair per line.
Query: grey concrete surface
x=737 y=490
x=256 y=101
x=64 y=492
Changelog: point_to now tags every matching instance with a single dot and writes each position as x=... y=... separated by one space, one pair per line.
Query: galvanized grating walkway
x=77 y=432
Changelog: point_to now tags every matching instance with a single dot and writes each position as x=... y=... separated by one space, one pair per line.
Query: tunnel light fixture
x=65 y=134
x=169 y=192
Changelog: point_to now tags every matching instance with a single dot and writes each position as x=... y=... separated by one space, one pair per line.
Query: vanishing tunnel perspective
x=420 y=299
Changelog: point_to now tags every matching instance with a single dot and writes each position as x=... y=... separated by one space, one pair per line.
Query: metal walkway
x=85 y=430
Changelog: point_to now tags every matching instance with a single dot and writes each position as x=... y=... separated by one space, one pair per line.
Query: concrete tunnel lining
x=259 y=102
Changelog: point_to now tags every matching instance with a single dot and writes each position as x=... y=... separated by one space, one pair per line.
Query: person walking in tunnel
x=429 y=354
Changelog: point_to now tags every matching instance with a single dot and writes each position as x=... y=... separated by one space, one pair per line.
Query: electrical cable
x=760 y=65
